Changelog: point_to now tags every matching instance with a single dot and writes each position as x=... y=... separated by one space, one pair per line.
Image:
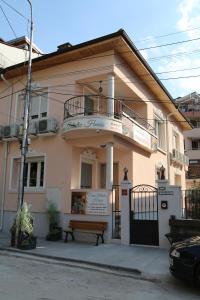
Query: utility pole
x=24 y=142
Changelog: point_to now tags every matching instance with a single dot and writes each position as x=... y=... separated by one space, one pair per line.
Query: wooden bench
x=93 y=227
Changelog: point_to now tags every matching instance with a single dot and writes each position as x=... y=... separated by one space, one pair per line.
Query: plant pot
x=28 y=244
x=55 y=234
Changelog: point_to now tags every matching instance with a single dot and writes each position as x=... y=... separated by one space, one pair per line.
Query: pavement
x=144 y=261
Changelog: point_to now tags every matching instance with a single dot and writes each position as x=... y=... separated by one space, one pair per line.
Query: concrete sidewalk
x=150 y=262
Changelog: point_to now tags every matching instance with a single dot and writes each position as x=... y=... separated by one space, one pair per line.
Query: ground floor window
x=86 y=175
x=33 y=173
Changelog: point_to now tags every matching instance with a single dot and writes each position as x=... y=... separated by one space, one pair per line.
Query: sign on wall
x=93 y=123
x=97 y=203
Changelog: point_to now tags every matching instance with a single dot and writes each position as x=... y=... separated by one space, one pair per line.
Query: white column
x=111 y=94
x=109 y=166
x=126 y=185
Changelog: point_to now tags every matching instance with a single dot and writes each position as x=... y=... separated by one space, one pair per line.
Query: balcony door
x=88 y=105
x=86 y=175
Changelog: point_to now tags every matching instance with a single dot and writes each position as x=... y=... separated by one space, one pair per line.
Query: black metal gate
x=144 y=215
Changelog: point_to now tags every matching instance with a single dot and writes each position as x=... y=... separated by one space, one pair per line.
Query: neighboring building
x=190 y=106
x=16 y=51
x=117 y=114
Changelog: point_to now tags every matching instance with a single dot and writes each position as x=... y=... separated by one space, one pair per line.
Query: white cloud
x=189 y=18
x=186 y=8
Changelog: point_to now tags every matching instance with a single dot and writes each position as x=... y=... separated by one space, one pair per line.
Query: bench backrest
x=91 y=225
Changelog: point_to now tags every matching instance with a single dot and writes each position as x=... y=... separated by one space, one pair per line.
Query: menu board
x=97 y=203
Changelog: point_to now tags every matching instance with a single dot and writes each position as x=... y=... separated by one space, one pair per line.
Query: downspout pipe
x=4 y=79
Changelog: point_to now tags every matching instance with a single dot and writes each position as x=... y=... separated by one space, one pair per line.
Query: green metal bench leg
x=97 y=242
x=102 y=239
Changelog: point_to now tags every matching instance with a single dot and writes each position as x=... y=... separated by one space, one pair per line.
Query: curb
x=90 y=265
x=73 y=260
x=117 y=270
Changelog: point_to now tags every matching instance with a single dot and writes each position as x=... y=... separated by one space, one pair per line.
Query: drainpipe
x=4 y=79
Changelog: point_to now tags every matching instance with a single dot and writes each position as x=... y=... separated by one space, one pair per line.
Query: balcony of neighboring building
x=89 y=115
x=193 y=169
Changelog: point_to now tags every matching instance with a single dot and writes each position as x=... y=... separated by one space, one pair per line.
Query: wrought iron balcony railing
x=179 y=157
x=88 y=105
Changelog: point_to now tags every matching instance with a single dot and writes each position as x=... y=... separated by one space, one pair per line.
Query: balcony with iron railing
x=90 y=112
x=179 y=157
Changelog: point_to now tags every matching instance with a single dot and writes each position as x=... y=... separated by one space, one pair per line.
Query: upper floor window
x=160 y=132
x=176 y=141
x=38 y=105
x=195 y=144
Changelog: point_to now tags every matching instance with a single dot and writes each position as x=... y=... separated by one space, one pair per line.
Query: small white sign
x=97 y=203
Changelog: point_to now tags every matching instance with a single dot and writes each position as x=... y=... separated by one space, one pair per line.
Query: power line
x=177 y=70
x=8 y=21
x=18 y=80
x=62 y=75
x=174 y=55
x=130 y=100
x=170 y=44
x=14 y=9
x=3 y=97
x=168 y=34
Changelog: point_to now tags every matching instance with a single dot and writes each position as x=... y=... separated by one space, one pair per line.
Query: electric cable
x=14 y=9
x=8 y=21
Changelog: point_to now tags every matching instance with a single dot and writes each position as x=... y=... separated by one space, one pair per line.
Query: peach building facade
x=96 y=108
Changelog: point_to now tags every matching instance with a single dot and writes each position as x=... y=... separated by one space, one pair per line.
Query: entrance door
x=144 y=215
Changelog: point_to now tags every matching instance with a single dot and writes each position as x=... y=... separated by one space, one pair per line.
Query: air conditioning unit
x=10 y=131
x=47 y=126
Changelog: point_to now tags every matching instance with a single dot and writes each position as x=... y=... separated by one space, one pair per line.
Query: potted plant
x=55 y=231
x=22 y=229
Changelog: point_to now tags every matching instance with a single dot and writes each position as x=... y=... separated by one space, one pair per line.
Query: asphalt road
x=25 y=278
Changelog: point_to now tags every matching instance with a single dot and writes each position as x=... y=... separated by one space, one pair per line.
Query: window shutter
x=20 y=108
x=34 y=109
x=43 y=105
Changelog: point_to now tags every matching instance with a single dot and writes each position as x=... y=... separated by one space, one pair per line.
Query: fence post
x=126 y=185
x=169 y=203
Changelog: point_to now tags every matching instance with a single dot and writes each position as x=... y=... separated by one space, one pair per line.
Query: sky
x=149 y=23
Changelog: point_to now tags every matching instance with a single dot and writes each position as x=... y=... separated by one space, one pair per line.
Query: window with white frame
x=160 y=132
x=86 y=175
x=38 y=105
x=33 y=173
x=176 y=141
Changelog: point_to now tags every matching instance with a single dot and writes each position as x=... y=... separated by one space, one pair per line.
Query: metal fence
x=191 y=204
